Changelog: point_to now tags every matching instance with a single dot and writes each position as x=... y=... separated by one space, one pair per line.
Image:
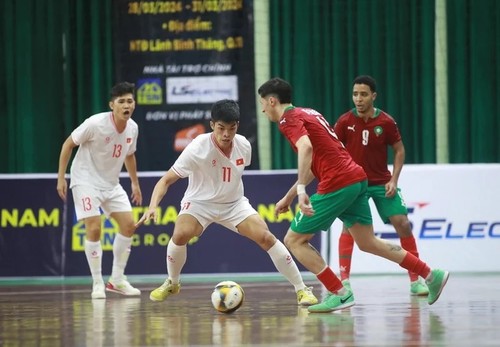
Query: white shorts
x=228 y=215
x=88 y=200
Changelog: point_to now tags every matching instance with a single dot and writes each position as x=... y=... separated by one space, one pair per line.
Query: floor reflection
x=385 y=315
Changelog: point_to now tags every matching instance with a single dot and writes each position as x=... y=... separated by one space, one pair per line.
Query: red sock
x=329 y=280
x=409 y=244
x=413 y=264
x=346 y=245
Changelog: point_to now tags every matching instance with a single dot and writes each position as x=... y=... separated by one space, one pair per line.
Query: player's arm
x=131 y=166
x=64 y=156
x=399 y=159
x=339 y=128
x=159 y=191
x=305 y=176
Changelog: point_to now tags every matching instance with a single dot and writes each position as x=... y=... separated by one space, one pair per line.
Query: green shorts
x=349 y=204
x=387 y=207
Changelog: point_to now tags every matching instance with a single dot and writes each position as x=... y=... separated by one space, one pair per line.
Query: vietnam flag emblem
x=239 y=161
x=129 y=139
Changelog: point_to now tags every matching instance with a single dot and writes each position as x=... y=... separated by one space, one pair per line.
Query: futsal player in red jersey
x=341 y=193
x=366 y=132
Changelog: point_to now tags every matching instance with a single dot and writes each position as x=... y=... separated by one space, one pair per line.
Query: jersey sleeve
x=135 y=136
x=186 y=162
x=248 y=152
x=293 y=128
x=339 y=129
x=393 y=131
x=84 y=132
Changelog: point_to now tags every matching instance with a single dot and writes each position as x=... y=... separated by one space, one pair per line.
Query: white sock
x=93 y=252
x=285 y=264
x=176 y=258
x=121 y=253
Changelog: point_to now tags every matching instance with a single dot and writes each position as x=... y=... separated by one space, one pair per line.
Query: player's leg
x=393 y=210
x=346 y=247
x=116 y=205
x=254 y=228
x=93 y=253
x=408 y=242
x=367 y=242
x=338 y=297
x=87 y=204
x=122 y=244
x=358 y=219
x=186 y=227
x=327 y=207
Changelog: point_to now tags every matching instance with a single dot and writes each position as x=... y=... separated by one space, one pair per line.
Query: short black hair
x=122 y=88
x=226 y=111
x=368 y=80
x=278 y=88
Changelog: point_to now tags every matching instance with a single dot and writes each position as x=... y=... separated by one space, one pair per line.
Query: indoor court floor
x=59 y=312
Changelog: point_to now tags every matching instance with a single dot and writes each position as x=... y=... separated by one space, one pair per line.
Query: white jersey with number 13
x=102 y=151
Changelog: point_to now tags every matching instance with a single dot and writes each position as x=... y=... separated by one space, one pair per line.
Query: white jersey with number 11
x=213 y=176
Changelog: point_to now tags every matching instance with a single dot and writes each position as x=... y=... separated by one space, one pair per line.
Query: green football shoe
x=333 y=302
x=436 y=284
x=419 y=288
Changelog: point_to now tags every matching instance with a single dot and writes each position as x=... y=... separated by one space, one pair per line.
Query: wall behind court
x=321 y=46
x=56 y=66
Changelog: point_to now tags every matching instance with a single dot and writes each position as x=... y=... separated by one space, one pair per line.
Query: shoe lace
x=168 y=286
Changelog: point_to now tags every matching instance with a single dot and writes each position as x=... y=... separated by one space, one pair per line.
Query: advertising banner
x=40 y=236
x=455 y=217
x=183 y=56
x=31 y=224
x=453 y=210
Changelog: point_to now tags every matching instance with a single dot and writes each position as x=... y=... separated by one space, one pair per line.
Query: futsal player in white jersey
x=106 y=141
x=214 y=163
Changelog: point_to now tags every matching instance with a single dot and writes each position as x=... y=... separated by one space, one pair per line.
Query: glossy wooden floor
x=467 y=314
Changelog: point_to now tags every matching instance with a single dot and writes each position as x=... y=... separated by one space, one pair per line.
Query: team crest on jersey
x=378 y=130
x=107 y=139
x=214 y=162
x=239 y=161
x=129 y=139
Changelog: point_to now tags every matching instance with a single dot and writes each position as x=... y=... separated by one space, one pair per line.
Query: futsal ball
x=227 y=296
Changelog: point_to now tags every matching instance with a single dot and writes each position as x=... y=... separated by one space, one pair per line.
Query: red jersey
x=331 y=163
x=367 y=142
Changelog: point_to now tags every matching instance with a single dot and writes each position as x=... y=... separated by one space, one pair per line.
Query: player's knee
x=128 y=229
x=266 y=240
x=182 y=237
x=402 y=226
x=291 y=241
x=93 y=233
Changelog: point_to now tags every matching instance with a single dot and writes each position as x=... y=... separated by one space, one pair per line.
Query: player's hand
x=390 y=189
x=282 y=206
x=62 y=188
x=149 y=214
x=136 y=195
x=305 y=205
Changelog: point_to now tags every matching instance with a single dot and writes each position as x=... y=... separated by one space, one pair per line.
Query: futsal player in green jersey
x=367 y=132
x=341 y=193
